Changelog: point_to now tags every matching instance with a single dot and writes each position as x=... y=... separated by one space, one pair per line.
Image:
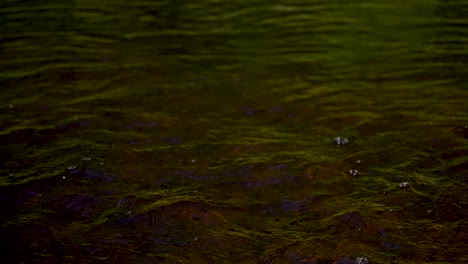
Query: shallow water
x=204 y=131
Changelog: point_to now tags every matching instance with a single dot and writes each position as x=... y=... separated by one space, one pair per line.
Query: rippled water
x=205 y=131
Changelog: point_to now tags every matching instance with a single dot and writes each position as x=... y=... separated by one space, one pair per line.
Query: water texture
x=218 y=131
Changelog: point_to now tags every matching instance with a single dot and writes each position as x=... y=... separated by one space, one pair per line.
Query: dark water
x=203 y=131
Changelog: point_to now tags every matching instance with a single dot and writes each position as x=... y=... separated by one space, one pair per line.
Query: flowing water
x=206 y=131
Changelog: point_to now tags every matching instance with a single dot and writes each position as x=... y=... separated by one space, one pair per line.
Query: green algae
x=199 y=132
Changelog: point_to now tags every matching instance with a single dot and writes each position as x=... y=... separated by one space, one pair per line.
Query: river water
x=205 y=131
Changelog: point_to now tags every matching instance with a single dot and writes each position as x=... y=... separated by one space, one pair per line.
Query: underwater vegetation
x=234 y=132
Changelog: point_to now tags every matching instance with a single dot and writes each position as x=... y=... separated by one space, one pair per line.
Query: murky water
x=206 y=131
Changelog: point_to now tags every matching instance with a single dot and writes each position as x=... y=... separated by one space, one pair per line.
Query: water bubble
x=404 y=185
x=340 y=141
x=63 y=177
x=361 y=260
x=354 y=172
x=358 y=161
x=193 y=161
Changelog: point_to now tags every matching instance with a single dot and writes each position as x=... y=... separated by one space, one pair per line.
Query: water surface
x=203 y=131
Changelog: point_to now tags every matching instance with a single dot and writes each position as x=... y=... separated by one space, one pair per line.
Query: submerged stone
x=95 y=175
x=344 y=260
x=78 y=206
x=390 y=245
x=353 y=220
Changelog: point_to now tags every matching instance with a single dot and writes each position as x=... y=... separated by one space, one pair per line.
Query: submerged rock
x=344 y=260
x=77 y=206
x=94 y=175
x=348 y=260
x=353 y=220
x=390 y=245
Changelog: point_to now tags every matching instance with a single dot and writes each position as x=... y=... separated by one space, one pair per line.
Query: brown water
x=203 y=131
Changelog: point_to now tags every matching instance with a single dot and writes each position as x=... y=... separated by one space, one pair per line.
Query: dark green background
x=202 y=131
